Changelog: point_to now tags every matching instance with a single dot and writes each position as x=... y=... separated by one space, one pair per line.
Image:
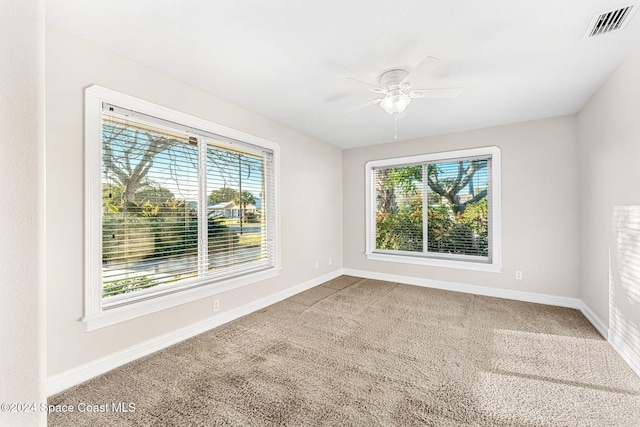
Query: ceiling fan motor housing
x=391 y=79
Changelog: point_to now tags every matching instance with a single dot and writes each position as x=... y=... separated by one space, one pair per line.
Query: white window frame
x=465 y=263
x=95 y=316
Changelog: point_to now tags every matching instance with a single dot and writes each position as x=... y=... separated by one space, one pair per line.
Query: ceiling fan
x=396 y=86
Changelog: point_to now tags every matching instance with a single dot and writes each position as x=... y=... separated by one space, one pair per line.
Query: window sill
x=433 y=262
x=123 y=313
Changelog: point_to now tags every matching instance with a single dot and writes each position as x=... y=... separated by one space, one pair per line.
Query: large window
x=178 y=208
x=438 y=209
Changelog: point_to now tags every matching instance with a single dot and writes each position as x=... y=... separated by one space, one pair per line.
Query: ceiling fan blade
x=365 y=105
x=427 y=65
x=372 y=88
x=449 y=92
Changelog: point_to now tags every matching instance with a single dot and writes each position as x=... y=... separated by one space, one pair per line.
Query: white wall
x=609 y=170
x=22 y=352
x=540 y=222
x=311 y=198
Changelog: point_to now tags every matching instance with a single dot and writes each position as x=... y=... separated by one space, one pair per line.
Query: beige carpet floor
x=359 y=352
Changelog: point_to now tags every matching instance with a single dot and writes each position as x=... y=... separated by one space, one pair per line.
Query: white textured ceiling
x=289 y=59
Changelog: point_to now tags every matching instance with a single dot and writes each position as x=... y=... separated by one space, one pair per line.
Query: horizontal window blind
x=236 y=188
x=399 y=222
x=150 y=205
x=458 y=208
x=179 y=209
x=436 y=209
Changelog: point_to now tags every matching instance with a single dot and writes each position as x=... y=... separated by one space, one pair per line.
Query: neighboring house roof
x=221 y=205
x=228 y=205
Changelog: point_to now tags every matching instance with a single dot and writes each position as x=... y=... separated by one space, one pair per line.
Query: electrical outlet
x=518 y=275
x=216 y=305
x=329 y=260
x=317 y=265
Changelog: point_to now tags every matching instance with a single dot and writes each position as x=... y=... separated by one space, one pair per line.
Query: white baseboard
x=595 y=320
x=627 y=354
x=471 y=289
x=82 y=373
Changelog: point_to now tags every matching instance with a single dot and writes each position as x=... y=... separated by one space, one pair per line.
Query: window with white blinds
x=437 y=209
x=184 y=208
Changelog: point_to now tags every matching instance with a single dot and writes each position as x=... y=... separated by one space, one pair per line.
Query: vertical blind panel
x=149 y=206
x=458 y=215
x=398 y=220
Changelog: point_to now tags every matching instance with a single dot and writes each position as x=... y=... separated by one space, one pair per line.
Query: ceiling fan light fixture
x=397 y=87
x=395 y=102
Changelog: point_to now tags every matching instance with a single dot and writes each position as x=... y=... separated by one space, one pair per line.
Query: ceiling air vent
x=607 y=22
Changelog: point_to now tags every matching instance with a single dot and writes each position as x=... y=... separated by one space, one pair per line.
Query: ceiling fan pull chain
x=395 y=127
